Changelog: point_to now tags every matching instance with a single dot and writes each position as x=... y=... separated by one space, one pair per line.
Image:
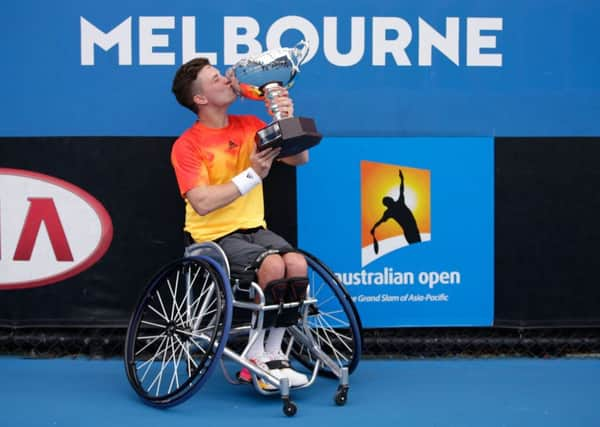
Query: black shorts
x=244 y=247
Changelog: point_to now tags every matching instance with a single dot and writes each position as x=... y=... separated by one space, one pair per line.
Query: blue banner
x=407 y=224
x=410 y=68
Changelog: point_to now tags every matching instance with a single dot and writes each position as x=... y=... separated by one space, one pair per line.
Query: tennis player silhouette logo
x=395 y=208
x=398 y=211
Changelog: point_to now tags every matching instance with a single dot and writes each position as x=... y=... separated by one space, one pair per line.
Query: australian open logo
x=395 y=208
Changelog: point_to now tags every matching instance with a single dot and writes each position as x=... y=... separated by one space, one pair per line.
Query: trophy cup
x=261 y=76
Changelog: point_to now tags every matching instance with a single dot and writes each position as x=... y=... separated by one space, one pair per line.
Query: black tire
x=289 y=408
x=175 y=338
x=334 y=323
x=341 y=396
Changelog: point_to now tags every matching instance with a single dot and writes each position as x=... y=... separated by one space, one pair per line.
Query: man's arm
x=208 y=198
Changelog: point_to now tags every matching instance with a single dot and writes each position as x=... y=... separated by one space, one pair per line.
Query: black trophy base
x=293 y=135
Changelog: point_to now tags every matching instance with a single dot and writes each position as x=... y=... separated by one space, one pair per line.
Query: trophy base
x=292 y=134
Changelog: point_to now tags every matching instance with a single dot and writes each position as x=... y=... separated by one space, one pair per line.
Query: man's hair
x=183 y=80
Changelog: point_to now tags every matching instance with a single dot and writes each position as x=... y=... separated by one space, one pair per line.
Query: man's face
x=214 y=88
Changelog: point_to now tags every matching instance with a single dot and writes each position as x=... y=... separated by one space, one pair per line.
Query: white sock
x=258 y=347
x=273 y=344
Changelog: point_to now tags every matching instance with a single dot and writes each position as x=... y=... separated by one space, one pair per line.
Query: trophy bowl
x=261 y=76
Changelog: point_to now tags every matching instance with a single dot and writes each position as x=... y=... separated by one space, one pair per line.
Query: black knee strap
x=282 y=291
x=275 y=293
x=297 y=288
x=296 y=292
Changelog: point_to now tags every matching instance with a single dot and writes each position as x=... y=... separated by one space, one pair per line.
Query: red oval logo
x=50 y=229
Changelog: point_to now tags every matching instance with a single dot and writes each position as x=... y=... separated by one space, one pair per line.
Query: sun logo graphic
x=395 y=208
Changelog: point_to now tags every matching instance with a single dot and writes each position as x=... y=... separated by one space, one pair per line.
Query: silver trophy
x=262 y=76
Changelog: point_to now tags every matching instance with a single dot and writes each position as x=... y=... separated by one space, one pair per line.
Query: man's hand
x=281 y=102
x=261 y=161
x=235 y=84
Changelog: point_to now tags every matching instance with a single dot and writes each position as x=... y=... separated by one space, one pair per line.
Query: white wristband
x=246 y=181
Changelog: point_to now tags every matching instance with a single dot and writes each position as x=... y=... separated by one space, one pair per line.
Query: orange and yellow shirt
x=207 y=156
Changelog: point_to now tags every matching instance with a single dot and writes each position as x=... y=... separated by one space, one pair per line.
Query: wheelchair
x=192 y=313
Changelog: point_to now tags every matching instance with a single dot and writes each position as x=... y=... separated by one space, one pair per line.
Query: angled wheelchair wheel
x=178 y=331
x=333 y=323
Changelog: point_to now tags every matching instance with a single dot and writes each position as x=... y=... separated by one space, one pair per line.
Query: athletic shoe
x=280 y=362
x=263 y=361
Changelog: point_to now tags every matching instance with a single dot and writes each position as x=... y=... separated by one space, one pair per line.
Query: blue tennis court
x=435 y=392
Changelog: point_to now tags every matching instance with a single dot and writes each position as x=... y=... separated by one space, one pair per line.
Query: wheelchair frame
x=198 y=325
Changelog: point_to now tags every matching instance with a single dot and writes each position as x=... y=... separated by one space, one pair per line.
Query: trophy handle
x=302 y=47
x=296 y=56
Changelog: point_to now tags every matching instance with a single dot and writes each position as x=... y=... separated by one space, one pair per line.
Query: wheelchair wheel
x=334 y=323
x=178 y=331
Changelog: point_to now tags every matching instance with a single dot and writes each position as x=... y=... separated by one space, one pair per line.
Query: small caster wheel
x=341 y=396
x=289 y=408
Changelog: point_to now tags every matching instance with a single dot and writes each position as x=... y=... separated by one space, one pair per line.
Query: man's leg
x=295 y=266
x=259 y=252
x=289 y=264
x=250 y=261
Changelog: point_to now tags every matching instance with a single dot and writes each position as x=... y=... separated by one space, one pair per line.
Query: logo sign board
x=407 y=225
x=393 y=68
x=50 y=229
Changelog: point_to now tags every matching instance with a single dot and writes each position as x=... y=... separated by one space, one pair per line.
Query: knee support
x=275 y=294
x=283 y=291
x=297 y=288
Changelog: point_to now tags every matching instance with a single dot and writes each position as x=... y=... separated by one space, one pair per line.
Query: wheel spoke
x=161 y=315
x=162 y=305
x=327 y=340
x=173 y=293
x=152 y=341
x=196 y=333
x=145 y=322
x=330 y=316
x=159 y=376
x=322 y=303
x=196 y=304
x=175 y=376
x=187 y=353
x=149 y=362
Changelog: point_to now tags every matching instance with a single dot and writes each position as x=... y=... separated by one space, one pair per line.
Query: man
x=220 y=171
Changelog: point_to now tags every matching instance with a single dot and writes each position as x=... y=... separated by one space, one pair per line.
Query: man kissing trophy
x=261 y=76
